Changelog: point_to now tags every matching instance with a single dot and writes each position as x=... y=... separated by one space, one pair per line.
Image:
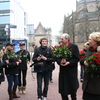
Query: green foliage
x=61 y=52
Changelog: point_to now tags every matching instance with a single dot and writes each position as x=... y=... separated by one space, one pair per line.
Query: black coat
x=91 y=84
x=2 y=78
x=12 y=67
x=68 y=81
x=47 y=52
x=24 y=57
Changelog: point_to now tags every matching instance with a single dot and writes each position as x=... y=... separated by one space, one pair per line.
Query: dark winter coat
x=1 y=71
x=24 y=57
x=68 y=81
x=91 y=84
x=47 y=53
x=12 y=67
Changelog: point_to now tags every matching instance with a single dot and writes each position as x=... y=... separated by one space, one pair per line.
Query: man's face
x=44 y=43
x=22 y=47
x=64 y=40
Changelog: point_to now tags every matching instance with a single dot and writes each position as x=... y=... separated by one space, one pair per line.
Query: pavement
x=31 y=88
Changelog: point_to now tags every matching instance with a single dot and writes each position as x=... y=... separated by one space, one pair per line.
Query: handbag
x=38 y=67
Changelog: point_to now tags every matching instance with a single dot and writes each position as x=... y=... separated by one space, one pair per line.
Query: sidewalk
x=31 y=88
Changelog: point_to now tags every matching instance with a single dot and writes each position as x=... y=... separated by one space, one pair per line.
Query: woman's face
x=10 y=47
x=92 y=43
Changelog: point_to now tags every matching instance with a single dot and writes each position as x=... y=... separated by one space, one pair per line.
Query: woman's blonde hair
x=95 y=36
x=7 y=49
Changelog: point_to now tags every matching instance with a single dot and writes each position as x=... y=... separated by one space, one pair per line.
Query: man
x=68 y=82
x=34 y=46
x=24 y=58
x=44 y=56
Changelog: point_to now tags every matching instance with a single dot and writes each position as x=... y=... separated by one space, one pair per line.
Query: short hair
x=66 y=36
x=42 y=39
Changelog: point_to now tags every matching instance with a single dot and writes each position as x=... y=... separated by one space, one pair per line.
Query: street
x=31 y=88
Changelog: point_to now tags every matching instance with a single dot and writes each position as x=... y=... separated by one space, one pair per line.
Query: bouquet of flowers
x=93 y=62
x=82 y=54
x=61 y=51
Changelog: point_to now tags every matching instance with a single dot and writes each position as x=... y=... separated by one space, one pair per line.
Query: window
x=4 y=5
x=91 y=9
x=4 y=19
x=4 y=0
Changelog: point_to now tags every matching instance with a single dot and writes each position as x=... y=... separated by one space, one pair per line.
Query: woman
x=91 y=83
x=11 y=70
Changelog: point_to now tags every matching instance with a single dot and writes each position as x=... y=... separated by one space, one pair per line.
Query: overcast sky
x=49 y=12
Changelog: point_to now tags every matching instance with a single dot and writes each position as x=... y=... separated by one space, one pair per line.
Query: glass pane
x=4 y=19
x=4 y=5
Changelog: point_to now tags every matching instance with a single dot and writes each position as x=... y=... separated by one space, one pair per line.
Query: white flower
x=98 y=48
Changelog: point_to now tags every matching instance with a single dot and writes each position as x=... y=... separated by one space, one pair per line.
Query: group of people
x=15 y=65
x=68 y=69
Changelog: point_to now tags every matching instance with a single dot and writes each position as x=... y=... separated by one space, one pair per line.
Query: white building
x=11 y=13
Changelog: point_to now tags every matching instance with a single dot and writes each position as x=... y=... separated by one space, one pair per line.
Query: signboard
x=17 y=42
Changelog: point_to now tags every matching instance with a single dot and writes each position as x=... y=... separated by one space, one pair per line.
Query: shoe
x=44 y=98
x=81 y=80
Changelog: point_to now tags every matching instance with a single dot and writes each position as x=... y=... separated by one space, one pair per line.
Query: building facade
x=30 y=35
x=85 y=20
x=13 y=21
x=42 y=32
x=88 y=19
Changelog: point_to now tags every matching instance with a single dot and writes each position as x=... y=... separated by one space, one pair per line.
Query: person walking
x=82 y=56
x=24 y=56
x=91 y=83
x=51 y=72
x=2 y=64
x=42 y=59
x=68 y=81
x=11 y=70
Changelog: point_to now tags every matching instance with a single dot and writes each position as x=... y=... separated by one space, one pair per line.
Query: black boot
x=14 y=93
x=10 y=94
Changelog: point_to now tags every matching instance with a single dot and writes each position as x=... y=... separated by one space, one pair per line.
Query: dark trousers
x=22 y=77
x=51 y=75
x=12 y=79
x=82 y=72
x=40 y=76
x=89 y=96
x=65 y=97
